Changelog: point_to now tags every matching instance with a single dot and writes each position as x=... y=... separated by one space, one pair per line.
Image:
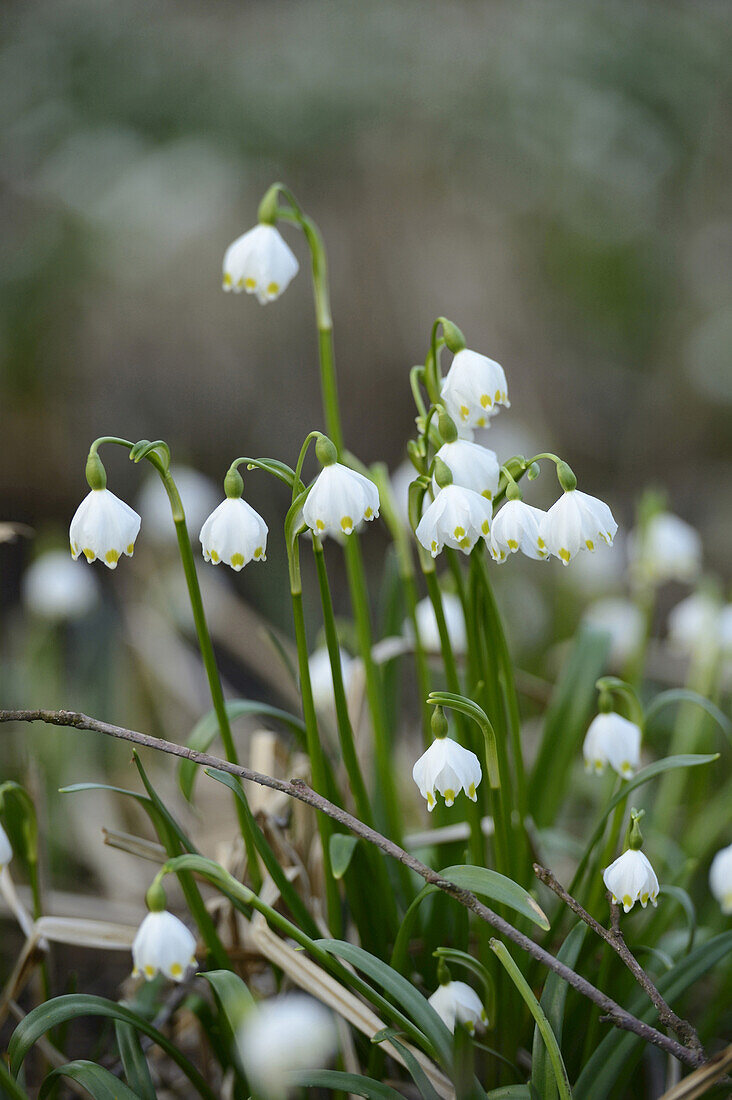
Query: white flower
x=667 y=549
x=517 y=526
x=695 y=625
x=612 y=739
x=448 y=768
x=103 y=527
x=163 y=943
x=198 y=494
x=576 y=522
x=456 y=1002
x=474 y=385
x=457 y=518
x=321 y=676
x=720 y=878
x=282 y=1036
x=631 y=878
x=339 y=500
x=261 y=263
x=472 y=466
x=429 y=635
x=6 y=851
x=234 y=534
x=623 y=621
x=54 y=588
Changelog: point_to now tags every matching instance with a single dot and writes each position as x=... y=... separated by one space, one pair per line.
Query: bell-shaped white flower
x=472 y=466
x=54 y=588
x=234 y=534
x=103 y=527
x=576 y=522
x=457 y=518
x=457 y=1002
x=429 y=635
x=282 y=1036
x=339 y=500
x=446 y=767
x=666 y=549
x=695 y=625
x=612 y=739
x=473 y=387
x=517 y=526
x=630 y=879
x=622 y=620
x=164 y=944
x=260 y=262
x=6 y=850
x=720 y=878
x=321 y=676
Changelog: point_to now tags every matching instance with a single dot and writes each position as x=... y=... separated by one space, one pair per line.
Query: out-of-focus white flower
x=321 y=676
x=612 y=739
x=576 y=522
x=401 y=479
x=259 y=262
x=234 y=534
x=720 y=878
x=282 y=1036
x=6 y=850
x=457 y=1002
x=630 y=879
x=457 y=518
x=448 y=768
x=472 y=466
x=427 y=624
x=517 y=526
x=339 y=500
x=623 y=621
x=198 y=494
x=54 y=588
x=667 y=549
x=472 y=389
x=103 y=527
x=164 y=944
x=696 y=626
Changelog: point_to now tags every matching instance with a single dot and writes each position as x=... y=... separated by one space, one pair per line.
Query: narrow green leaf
x=232 y=996
x=9 y=1086
x=683 y=695
x=416 y=1072
x=550 y=1041
x=487 y=883
x=135 y=1064
x=98 y=1082
x=512 y=1092
x=345 y=1082
x=553 y=999
x=342 y=847
x=680 y=895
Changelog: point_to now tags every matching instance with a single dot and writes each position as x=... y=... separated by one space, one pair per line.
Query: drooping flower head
x=473 y=388
x=321 y=676
x=457 y=1003
x=576 y=522
x=720 y=878
x=429 y=634
x=163 y=945
x=446 y=767
x=472 y=467
x=340 y=498
x=103 y=528
x=666 y=548
x=622 y=620
x=282 y=1036
x=55 y=589
x=457 y=518
x=517 y=526
x=259 y=262
x=234 y=533
x=631 y=878
x=612 y=739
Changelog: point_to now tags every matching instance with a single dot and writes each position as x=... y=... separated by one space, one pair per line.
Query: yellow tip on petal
x=273 y=288
x=564 y=555
x=319 y=525
x=589 y=544
x=176 y=970
x=112 y=556
x=347 y=524
x=512 y=544
x=149 y=971
x=369 y=513
x=237 y=560
x=227 y=281
x=214 y=557
x=258 y=552
x=459 y=532
x=464 y=412
x=485 y=527
x=485 y=400
x=250 y=284
x=88 y=554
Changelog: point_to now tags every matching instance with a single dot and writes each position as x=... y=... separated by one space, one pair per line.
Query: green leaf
x=98 y=1082
x=512 y=1092
x=619 y=1050
x=496 y=887
x=683 y=695
x=550 y=1041
x=345 y=1082
x=9 y=1086
x=135 y=1064
x=680 y=895
x=232 y=996
x=58 y=1011
x=552 y=1002
x=416 y=1072
x=342 y=847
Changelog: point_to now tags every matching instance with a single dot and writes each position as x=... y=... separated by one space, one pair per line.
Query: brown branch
x=297 y=788
x=615 y=939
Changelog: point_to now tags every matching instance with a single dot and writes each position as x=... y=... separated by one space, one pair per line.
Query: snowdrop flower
x=576 y=522
x=694 y=625
x=472 y=466
x=339 y=500
x=456 y=1002
x=6 y=851
x=234 y=534
x=630 y=879
x=261 y=263
x=472 y=389
x=427 y=624
x=321 y=676
x=612 y=739
x=517 y=526
x=198 y=494
x=163 y=943
x=103 y=527
x=666 y=549
x=448 y=768
x=623 y=621
x=720 y=878
x=457 y=518
x=56 y=589
x=282 y=1036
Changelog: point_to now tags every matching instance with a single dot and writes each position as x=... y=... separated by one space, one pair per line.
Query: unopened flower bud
x=439 y=723
x=454 y=339
x=325 y=451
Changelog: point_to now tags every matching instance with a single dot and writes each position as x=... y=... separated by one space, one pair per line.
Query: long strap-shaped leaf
x=346 y=1082
x=98 y=1082
x=552 y=1002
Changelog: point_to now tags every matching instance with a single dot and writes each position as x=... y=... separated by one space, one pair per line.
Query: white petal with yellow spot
x=630 y=879
x=339 y=500
x=577 y=521
x=259 y=262
x=517 y=526
x=457 y=518
x=612 y=739
x=234 y=534
x=163 y=944
x=457 y=1002
x=447 y=768
x=103 y=527
x=472 y=466
x=720 y=878
x=473 y=388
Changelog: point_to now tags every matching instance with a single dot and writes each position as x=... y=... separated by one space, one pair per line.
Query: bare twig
x=616 y=940
x=298 y=789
